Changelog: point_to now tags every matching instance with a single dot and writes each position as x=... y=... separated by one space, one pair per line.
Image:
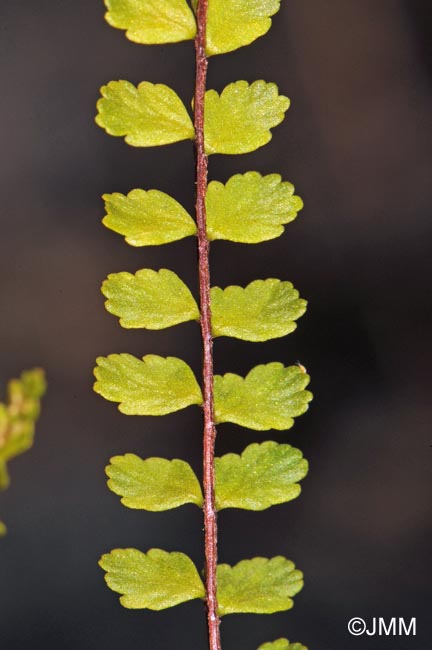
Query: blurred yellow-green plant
x=18 y=418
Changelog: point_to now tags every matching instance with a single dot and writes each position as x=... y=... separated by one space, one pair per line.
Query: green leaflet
x=282 y=644
x=153 y=580
x=258 y=586
x=234 y=23
x=3 y=529
x=151 y=299
x=240 y=118
x=153 y=386
x=264 y=475
x=269 y=397
x=148 y=115
x=147 y=218
x=152 y=21
x=250 y=208
x=265 y=309
x=154 y=484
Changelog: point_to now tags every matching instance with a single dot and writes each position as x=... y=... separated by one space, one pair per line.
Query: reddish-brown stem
x=210 y=521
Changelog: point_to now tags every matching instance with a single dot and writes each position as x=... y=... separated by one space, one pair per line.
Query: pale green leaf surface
x=265 y=309
x=264 y=475
x=258 y=586
x=152 y=21
x=153 y=580
x=153 y=386
x=3 y=529
x=282 y=644
x=148 y=115
x=240 y=118
x=234 y=23
x=151 y=299
x=250 y=208
x=147 y=218
x=269 y=397
x=154 y=484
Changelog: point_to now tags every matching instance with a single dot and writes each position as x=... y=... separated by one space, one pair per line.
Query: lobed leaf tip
x=151 y=23
x=236 y=23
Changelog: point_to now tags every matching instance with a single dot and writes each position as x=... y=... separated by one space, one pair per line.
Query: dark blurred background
x=357 y=144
